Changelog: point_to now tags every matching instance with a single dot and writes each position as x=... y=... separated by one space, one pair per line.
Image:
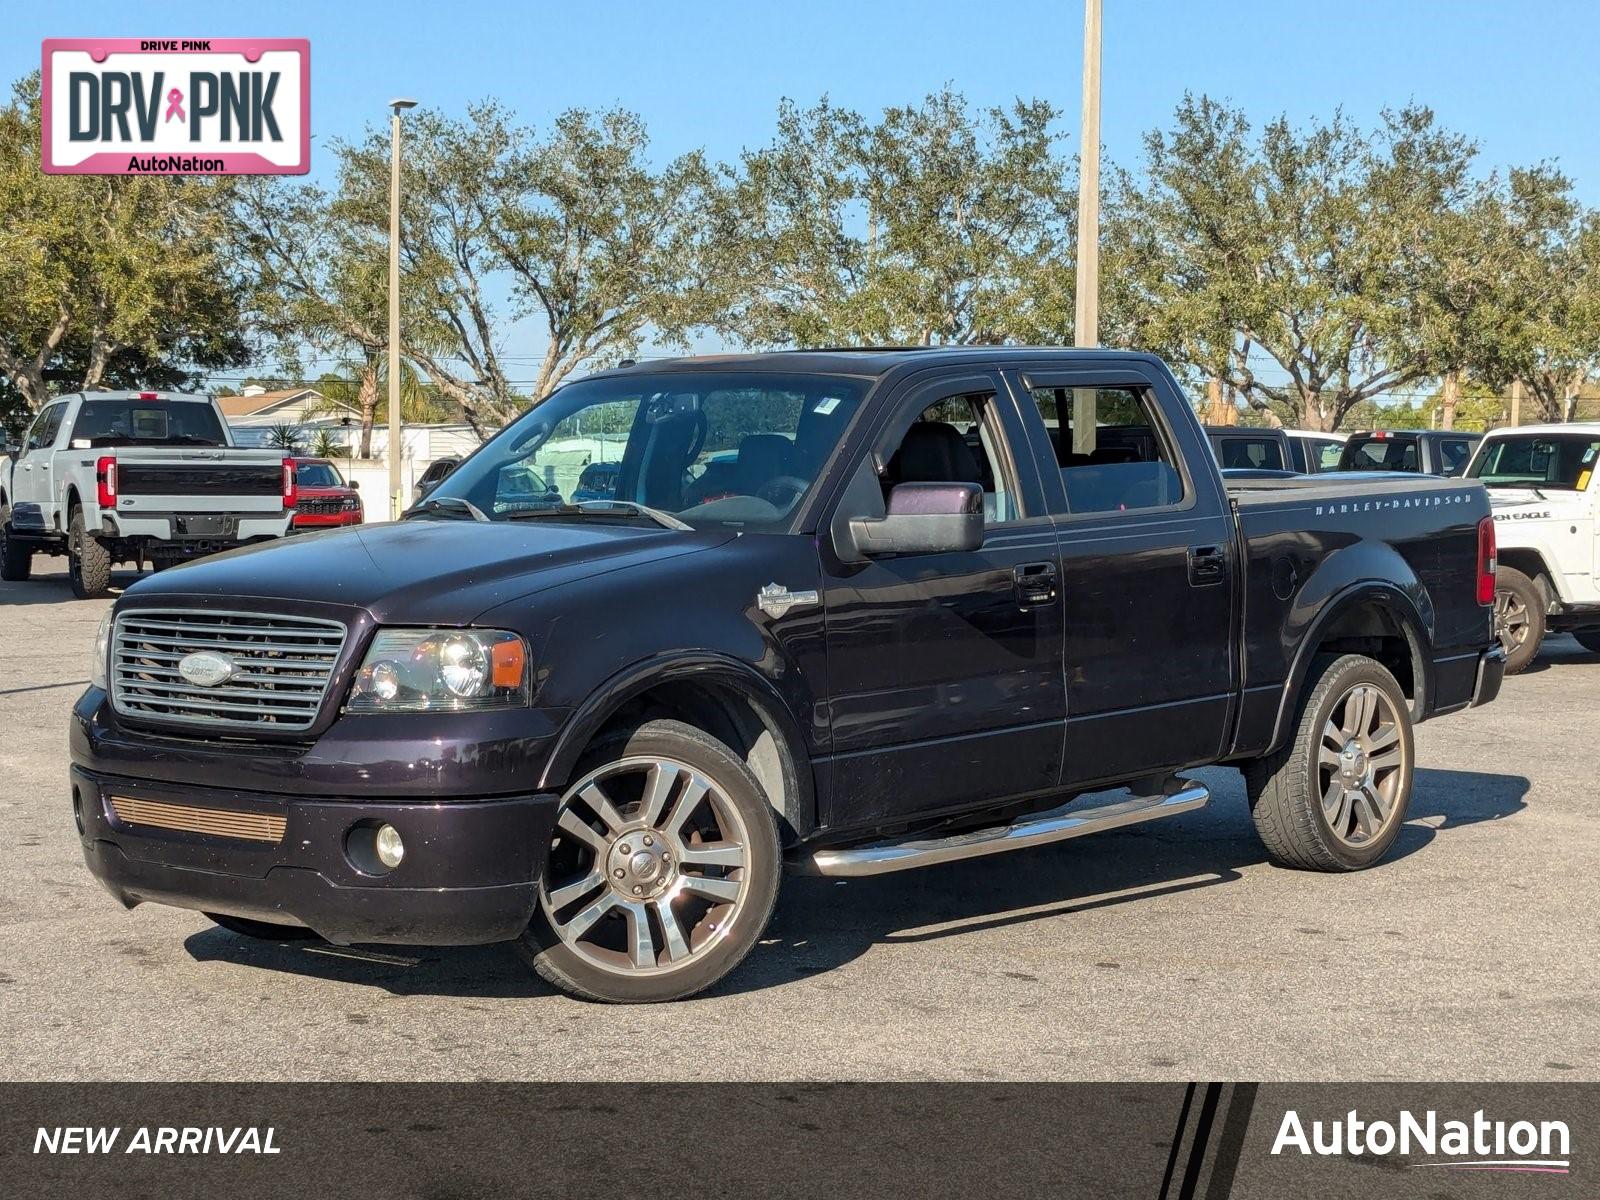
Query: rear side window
x=1453 y=454
x=1119 y=462
x=147 y=422
x=1328 y=455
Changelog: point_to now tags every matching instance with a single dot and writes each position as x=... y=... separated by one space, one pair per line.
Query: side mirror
x=923 y=518
x=355 y=485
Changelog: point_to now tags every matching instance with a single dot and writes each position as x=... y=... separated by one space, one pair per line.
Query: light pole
x=1086 y=319
x=396 y=433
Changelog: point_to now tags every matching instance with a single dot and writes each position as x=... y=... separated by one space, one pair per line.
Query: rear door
x=945 y=669
x=1147 y=576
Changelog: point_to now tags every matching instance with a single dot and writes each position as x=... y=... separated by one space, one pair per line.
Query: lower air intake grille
x=223 y=670
x=250 y=827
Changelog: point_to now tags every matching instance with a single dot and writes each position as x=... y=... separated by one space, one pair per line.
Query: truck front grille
x=318 y=506
x=278 y=668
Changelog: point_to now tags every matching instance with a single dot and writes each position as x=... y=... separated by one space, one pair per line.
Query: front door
x=944 y=669
x=31 y=475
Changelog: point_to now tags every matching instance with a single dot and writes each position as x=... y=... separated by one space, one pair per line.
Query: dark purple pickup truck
x=848 y=612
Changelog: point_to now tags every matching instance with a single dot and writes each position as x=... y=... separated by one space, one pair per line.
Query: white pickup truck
x=108 y=477
x=1544 y=491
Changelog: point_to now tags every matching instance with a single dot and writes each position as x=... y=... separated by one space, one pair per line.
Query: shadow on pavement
x=822 y=924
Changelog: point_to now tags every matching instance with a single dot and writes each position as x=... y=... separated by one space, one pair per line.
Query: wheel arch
x=1530 y=560
x=714 y=692
x=1371 y=617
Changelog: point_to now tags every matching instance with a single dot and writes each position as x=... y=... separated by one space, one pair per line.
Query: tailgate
x=178 y=481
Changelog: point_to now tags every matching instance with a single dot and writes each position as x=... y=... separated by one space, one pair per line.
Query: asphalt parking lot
x=1170 y=951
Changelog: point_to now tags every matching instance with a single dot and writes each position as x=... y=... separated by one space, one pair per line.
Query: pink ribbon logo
x=175 y=105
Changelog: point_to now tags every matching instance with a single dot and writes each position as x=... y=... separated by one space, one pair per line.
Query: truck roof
x=136 y=395
x=1579 y=427
x=869 y=360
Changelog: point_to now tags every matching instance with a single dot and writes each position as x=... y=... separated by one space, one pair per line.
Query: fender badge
x=775 y=599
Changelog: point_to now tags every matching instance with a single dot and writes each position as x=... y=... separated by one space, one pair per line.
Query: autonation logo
x=1476 y=1145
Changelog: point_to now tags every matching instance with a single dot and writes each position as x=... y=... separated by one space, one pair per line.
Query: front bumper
x=470 y=872
x=1491 y=673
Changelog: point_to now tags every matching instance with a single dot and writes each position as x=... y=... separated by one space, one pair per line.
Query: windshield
x=317 y=474
x=147 y=422
x=718 y=449
x=1565 y=461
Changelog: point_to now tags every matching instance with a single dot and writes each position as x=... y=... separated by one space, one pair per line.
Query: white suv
x=1544 y=488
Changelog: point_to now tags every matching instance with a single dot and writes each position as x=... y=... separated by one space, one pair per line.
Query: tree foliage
x=109 y=280
x=933 y=224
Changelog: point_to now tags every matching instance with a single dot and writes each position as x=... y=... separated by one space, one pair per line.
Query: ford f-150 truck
x=1546 y=501
x=911 y=624
x=108 y=477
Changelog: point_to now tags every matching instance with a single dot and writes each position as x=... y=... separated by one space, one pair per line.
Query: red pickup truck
x=326 y=500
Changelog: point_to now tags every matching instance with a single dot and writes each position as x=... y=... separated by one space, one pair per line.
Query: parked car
x=918 y=631
x=597 y=482
x=438 y=470
x=110 y=477
x=326 y=500
x=1236 y=447
x=1412 y=451
x=1546 y=502
x=1312 y=453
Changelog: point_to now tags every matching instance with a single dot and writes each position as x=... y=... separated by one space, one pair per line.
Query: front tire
x=16 y=559
x=88 y=561
x=1335 y=797
x=1519 y=620
x=662 y=872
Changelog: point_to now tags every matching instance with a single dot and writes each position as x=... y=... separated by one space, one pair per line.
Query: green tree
x=109 y=281
x=933 y=224
x=1349 y=259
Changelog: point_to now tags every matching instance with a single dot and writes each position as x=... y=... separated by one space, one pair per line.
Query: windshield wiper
x=453 y=506
x=599 y=508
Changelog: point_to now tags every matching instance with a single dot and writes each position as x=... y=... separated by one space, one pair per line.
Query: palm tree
x=286 y=436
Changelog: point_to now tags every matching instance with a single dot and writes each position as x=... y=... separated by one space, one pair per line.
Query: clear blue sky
x=1517 y=75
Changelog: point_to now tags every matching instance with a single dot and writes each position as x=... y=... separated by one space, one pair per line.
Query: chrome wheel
x=1361 y=765
x=1511 y=620
x=647 y=867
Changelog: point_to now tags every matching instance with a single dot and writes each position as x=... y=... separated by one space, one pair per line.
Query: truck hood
x=423 y=571
x=1524 y=504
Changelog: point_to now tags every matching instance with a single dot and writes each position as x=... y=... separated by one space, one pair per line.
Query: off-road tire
x=16 y=559
x=1510 y=583
x=672 y=741
x=88 y=561
x=1285 y=790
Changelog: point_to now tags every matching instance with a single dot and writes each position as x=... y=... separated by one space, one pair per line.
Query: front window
x=714 y=449
x=146 y=423
x=1561 y=461
x=317 y=475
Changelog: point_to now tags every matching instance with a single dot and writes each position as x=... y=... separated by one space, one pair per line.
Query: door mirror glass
x=923 y=518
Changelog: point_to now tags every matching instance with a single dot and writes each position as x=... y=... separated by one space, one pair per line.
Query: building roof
x=249 y=406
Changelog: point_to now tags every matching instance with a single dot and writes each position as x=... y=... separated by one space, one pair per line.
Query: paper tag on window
x=826 y=405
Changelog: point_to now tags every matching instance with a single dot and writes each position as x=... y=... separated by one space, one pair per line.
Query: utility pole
x=1086 y=320
x=396 y=433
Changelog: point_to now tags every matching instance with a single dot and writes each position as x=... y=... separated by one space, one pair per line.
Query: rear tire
x=88 y=562
x=1589 y=639
x=16 y=559
x=662 y=872
x=1335 y=797
x=1519 y=620
x=263 y=931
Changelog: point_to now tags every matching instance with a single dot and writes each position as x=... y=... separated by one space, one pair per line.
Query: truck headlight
x=427 y=670
x=102 y=651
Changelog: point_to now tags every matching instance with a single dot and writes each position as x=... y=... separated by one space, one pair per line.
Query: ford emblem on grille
x=205 y=669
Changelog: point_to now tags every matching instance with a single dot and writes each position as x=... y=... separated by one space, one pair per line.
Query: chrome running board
x=1036 y=829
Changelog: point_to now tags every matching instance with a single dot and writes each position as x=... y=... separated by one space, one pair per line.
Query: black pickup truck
x=849 y=612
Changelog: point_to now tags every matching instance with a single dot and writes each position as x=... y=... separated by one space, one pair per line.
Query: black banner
x=624 y=1140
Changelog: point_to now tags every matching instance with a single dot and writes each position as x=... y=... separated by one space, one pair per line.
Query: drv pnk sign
x=207 y=106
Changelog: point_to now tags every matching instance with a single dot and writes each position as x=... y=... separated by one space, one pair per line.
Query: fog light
x=389 y=846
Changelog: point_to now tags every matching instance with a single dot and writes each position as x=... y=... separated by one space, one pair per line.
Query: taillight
x=105 y=481
x=291 y=487
x=1486 y=561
